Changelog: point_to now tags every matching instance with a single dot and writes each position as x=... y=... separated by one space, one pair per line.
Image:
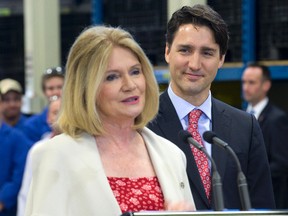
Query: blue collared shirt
x=183 y=108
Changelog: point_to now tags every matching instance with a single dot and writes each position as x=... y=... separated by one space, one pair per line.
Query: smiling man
x=12 y=102
x=196 y=44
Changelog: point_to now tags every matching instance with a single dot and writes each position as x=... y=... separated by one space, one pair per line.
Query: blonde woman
x=107 y=162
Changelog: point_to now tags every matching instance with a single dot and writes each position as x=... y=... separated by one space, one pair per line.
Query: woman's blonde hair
x=85 y=69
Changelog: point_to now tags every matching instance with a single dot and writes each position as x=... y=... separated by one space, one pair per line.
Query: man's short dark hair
x=266 y=74
x=199 y=15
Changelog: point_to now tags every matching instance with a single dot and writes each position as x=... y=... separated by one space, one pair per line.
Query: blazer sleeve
x=68 y=179
x=50 y=183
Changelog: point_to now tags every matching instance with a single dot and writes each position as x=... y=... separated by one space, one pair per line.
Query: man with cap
x=11 y=95
x=13 y=151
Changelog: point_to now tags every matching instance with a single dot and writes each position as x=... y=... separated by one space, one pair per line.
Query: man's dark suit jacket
x=274 y=124
x=242 y=132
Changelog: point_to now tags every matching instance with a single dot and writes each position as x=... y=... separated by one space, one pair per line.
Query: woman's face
x=122 y=93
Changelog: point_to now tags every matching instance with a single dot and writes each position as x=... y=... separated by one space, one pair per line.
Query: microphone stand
x=216 y=179
x=211 y=137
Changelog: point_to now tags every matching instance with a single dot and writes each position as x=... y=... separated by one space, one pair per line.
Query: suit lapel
x=221 y=126
x=168 y=121
x=170 y=126
x=264 y=113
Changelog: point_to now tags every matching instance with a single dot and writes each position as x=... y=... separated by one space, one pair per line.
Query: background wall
x=146 y=20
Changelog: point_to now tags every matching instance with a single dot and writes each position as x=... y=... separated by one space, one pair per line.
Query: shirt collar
x=258 y=108
x=183 y=107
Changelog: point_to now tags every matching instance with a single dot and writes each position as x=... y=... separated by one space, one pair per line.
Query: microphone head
x=184 y=135
x=208 y=136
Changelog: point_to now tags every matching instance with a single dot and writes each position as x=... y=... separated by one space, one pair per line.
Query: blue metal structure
x=97 y=12
x=278 y=72
x=248 y=31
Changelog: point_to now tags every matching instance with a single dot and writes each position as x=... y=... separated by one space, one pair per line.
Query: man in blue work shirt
x=36 y=126
x=13 y=151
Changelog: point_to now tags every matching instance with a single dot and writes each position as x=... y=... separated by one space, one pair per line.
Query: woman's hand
x=179 y=206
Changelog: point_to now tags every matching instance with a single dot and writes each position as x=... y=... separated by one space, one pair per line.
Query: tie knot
x=194 y=116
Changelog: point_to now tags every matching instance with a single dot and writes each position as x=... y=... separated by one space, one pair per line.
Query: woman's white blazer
x=69 y=180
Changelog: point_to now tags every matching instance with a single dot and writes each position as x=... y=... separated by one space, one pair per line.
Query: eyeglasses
x=54 y=71
x=53 y=98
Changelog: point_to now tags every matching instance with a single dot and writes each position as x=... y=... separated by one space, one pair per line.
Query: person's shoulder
x=32 y=118
x=38 y=145
x=276 y=109
x=5 y=128
x=59 y=141
x=65 y=142
x=58 y=144
x=275 y=113
x=15 y=136
x=37 y=117
x=224 y=107
x=63 y=147
x=11 y=131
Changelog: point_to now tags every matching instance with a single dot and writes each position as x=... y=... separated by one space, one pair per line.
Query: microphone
x=216 y=179
x=212 y=138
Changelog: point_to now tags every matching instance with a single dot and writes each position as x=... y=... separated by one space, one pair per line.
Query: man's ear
x=221 y=62
x=267 y=85
x=167 y=52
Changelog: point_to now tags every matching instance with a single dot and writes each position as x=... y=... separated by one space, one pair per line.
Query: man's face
x=53 y=86
x=253 y=86
x=53 y=111
x=193 y=58
x=11 y=104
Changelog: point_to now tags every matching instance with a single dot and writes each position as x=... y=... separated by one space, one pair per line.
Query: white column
x=42 y=47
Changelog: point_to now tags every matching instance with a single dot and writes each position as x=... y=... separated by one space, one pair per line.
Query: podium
x=207 y=213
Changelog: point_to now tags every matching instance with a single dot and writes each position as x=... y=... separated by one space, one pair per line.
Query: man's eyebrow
x=185 y=46
x=209 y=49
x=206 y=48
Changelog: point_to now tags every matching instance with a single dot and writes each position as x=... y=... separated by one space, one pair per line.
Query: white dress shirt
x=258 y=108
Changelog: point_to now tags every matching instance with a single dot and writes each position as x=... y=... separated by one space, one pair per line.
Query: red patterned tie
x=200 y=158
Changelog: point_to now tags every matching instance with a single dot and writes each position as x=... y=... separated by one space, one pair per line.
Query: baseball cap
x=7 y=85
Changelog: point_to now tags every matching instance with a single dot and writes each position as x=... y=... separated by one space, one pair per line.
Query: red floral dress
x=137 y=194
